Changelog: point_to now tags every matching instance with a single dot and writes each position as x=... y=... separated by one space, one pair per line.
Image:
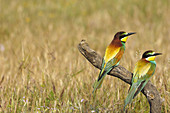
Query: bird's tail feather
x=131 y=94
x=99 y=81
x=142 y=85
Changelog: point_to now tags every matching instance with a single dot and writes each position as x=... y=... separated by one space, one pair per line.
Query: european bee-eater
x=113 y=54
x=144 y=70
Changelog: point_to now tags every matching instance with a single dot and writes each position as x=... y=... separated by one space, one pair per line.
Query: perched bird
x=144 y=70
x=113 y=54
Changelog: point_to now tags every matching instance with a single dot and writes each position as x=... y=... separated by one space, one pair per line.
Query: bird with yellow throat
x=143 y=71
x=113 y=54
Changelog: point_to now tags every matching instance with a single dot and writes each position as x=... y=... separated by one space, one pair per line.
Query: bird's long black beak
x=128 y=34
x=157 y=54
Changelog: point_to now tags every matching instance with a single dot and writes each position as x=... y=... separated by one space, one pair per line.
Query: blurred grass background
x=41 y=69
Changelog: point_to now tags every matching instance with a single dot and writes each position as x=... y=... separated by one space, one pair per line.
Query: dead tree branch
x=120 y=72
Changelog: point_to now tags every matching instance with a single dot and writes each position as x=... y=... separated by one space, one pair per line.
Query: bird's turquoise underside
x=123 y=45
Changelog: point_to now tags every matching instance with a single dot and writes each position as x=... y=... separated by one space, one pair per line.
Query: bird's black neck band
x=123 y=42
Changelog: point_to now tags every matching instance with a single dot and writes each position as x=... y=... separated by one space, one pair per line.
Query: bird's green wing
x=146 y=78
x=105 y=69
x=111 y=58
x=142 y=85
x=139 y=75
x=110 y=64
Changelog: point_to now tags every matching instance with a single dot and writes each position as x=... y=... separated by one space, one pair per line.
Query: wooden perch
x=120 y=72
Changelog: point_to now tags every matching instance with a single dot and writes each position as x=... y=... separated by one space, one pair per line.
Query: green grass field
x=41 y=69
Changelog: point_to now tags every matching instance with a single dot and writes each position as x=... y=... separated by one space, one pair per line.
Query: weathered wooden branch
x=149 y=90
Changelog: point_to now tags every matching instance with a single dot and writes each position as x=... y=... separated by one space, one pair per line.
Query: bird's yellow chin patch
x=124 y=39
x=151 y=58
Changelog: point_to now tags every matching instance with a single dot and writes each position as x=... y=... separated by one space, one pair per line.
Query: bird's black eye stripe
x=122 y=36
